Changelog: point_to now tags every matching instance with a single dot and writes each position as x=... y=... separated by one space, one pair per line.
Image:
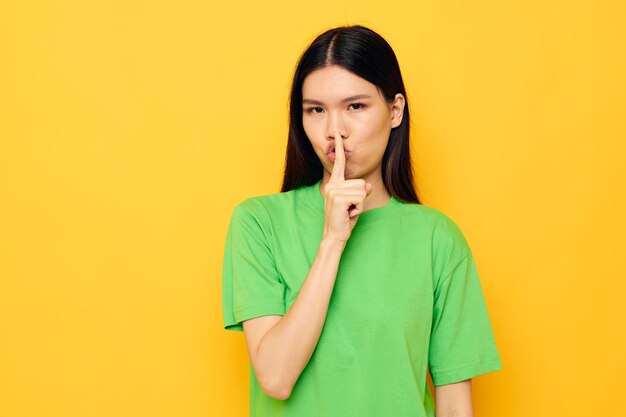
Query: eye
x=358 y=104
x=312 y=110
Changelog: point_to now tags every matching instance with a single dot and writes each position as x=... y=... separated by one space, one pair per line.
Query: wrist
x=332 y=243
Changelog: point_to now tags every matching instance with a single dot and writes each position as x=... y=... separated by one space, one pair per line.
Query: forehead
x=335 y=82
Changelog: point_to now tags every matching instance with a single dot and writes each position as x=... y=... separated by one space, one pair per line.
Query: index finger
x=340 y=160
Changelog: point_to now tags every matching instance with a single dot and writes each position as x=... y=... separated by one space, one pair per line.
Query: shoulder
x=266 y=200
x=448 y=234
x=425 y=213
x=441 y=224
x=258 y=208
x=261 y=204
x=448 y=242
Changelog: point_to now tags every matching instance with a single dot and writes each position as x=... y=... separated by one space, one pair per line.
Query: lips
x=331 y=148
x=331 y=153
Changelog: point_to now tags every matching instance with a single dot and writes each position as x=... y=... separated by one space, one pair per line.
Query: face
x=335 y=99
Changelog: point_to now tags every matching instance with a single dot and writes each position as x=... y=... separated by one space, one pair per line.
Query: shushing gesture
x=343 y=199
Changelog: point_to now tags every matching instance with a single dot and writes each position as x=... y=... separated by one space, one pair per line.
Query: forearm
x=287 y=347
x=454 y=400
x=455 y=414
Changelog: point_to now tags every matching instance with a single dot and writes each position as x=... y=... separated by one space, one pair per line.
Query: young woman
x=348 y=289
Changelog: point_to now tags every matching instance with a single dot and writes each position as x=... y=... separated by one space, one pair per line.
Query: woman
x=347 y=288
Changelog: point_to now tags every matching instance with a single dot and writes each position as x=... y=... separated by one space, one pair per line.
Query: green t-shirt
x=407 y=298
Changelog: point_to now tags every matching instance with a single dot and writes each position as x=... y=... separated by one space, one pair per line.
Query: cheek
x=313 y=135
x=314 y=131
x=308 y=129
x=375 y=130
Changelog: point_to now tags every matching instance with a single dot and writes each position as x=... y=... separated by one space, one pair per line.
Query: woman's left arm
x=454 y=400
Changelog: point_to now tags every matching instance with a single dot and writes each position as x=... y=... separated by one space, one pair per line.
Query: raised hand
x=343 y=199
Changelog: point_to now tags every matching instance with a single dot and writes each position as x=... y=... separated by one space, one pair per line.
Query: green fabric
x=407 y=298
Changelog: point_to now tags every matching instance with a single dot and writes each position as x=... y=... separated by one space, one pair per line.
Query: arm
x=281 y=346
x=454 y=400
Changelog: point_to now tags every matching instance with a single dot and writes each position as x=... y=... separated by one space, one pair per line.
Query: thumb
x=368 y=189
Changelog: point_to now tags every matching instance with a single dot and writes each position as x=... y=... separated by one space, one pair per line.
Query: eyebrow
x=356 y=97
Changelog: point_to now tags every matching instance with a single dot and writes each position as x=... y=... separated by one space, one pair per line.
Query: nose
x=335 y=125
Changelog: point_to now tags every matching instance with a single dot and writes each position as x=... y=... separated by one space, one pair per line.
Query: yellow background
x=130 y=130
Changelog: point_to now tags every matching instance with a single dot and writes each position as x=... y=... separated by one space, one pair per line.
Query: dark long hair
x=367 y=54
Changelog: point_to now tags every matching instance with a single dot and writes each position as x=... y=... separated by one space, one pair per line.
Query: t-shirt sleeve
x=251 y=286
x=462 y=342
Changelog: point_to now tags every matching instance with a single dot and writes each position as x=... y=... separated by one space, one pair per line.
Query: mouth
x=332 y=156
x=331 y=151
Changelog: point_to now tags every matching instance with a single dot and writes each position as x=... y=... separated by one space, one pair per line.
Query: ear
x=397 y=110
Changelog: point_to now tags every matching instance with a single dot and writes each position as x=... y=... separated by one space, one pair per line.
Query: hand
x=343 y=199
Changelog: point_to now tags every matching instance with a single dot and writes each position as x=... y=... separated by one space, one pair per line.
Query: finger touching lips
x=340 y=160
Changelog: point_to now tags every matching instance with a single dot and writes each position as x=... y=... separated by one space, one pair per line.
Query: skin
x=454 y=400
x=280 y=346
x=364 y=125
x=361 y=126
